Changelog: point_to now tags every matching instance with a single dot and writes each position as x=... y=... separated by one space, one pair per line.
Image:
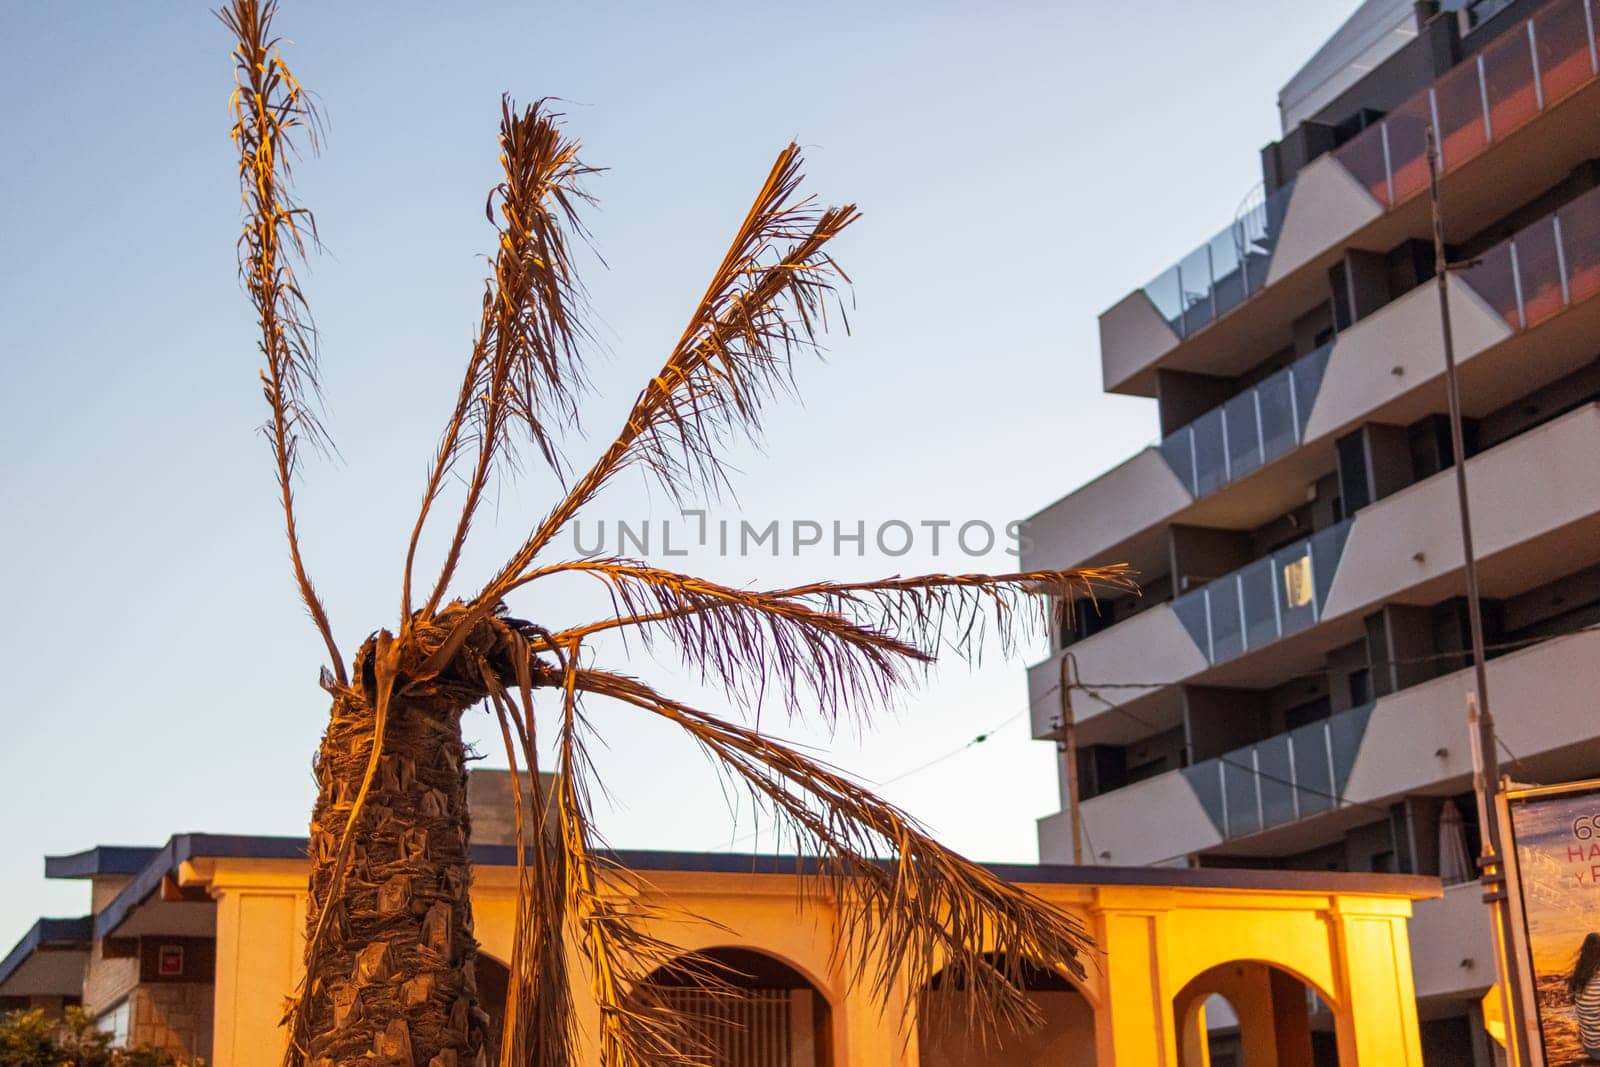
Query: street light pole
x=1490 y=862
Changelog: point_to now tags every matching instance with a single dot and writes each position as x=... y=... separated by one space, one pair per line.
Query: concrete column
x=259 y=933
x=866 y=1033
x=1375 y=1020
x=1135 y=1025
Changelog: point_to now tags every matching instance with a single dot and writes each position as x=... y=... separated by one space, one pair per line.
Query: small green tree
x=32 y=1038
x=27 y=1039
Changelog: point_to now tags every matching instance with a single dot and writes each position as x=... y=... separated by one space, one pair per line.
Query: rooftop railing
x=1530 y=67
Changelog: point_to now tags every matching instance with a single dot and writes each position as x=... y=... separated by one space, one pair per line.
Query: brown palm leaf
x=764 y=305
x=525 y=370
x=269 y=107
x=909 y=908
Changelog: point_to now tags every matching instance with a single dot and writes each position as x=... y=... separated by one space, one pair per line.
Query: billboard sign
x=1554 y=882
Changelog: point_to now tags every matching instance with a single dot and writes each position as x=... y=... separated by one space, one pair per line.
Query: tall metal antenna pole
x=1489 y=862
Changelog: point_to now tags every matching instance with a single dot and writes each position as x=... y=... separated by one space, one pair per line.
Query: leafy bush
x=33 y=1039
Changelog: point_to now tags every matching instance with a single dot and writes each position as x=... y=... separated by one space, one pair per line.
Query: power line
x=1091 y=690
x=973 y=743
x=978 y=740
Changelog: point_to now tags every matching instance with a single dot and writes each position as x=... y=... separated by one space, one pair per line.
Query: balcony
x=1452 y=943
x=1544 y=268
x=1261 y=797
x=1263 y=603
x=1339 y=198
x=1375 y=370
x=1252 y=429
x=1283 y=779
x=1482 y=100
x=1224 y=272
x=1536 y=518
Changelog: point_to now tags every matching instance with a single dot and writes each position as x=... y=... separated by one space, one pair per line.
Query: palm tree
x=389 y=944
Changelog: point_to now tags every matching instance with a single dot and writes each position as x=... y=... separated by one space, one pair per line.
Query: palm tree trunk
x=390 y=979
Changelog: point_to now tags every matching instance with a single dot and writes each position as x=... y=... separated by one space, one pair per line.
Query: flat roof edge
x=102 y=859
x=183 y=847
x=47 y=932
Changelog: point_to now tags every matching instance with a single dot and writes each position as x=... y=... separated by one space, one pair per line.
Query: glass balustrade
x=1266 y=601
x=1489 y=95
x=1526 y=279
x=1254 y=428
x=1291 y=776
x=1542 y=268
x=1222 y=273
x=1480 y=101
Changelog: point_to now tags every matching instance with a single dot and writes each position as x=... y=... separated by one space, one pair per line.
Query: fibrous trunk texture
x=390 y=977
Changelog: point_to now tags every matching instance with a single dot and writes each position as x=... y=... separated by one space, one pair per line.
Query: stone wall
x=175 y=1016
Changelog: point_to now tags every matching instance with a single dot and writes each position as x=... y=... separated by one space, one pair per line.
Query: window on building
x=115 y=1023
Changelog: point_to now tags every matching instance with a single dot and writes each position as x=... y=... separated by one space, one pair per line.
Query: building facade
x=195 y=951
x=1287 y=692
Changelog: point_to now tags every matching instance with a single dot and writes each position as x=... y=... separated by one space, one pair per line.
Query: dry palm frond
x=268 y=108
x=953 y=611
x=747 y=642
x=908 y=907
x=525 y=370
x=637 y=1029
x=828 y=646
x=540 y=1026
x=764 y=305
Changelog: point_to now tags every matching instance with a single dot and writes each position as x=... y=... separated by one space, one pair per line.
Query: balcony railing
x=1273 y=597
x=1527 y=278
x=1543 y=268
x=1482 y=100
x=1528 y=68
x=1291 y=776
x=1254 y=428
x=1222 y=273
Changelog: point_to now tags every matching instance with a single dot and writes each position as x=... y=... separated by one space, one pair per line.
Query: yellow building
x=193 y=946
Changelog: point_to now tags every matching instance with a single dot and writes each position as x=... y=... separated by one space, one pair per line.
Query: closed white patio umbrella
x=1454 y=864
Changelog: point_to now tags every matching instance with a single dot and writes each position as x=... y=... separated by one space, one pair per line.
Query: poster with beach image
x=1557 y=838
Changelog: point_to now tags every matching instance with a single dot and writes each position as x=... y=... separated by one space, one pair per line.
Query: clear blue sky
x=1021 y=167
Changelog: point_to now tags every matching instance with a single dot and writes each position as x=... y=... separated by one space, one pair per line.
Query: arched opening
x=494 y=980
x=945 y=1038
x=774 y=1016
x=1252 y=1014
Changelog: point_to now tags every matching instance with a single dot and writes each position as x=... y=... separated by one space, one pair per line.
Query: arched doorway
x=944 y=1038
x=773 y=1016
x=1247 y=1013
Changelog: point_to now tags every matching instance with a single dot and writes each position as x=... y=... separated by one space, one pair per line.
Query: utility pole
x=1069 y=740
x=1490 y=863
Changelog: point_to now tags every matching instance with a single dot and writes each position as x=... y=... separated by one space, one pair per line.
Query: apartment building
x=1288 y=690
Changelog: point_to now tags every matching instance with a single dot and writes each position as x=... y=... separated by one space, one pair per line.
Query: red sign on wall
x=169 y=961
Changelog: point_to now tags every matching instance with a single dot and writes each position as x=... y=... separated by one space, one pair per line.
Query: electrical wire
x=903 y=775
x=1091 y=689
